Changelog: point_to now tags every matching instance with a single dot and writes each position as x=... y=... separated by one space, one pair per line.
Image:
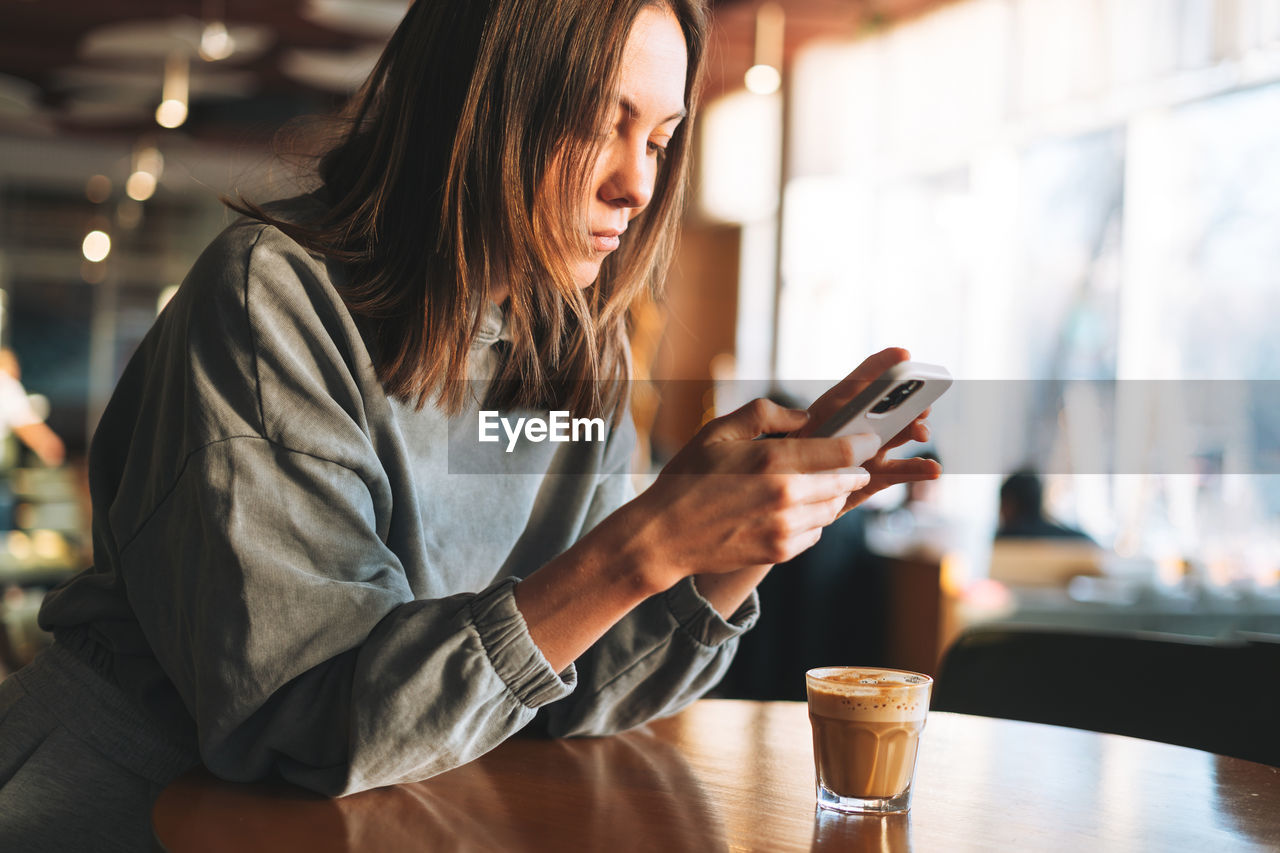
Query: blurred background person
x=1022 y=513
x=19 y=418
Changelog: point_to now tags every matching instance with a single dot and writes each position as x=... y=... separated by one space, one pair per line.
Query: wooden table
x=729 y=775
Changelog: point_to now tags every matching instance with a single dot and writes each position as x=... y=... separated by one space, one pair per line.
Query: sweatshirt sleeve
x=290 y=633
x=658 y=659
x=251 y=521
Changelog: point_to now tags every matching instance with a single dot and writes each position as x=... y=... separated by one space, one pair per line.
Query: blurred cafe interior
x=1071 y=204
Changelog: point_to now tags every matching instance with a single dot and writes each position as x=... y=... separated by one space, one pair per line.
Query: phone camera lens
x=894 y=398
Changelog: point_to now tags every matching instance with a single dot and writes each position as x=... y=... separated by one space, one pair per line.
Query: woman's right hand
x=728 y=501
x=723 y=510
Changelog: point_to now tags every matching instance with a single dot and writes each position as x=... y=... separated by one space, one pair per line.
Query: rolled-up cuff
x=703 y=622
x=513 y=653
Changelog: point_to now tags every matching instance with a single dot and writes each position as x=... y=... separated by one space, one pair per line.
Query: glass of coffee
x=866 y=732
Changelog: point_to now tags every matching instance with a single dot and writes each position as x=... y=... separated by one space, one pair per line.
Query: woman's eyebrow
x=633 y=111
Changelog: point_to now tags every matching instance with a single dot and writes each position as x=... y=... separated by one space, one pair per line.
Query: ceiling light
x=140 y=186
x=96 y=246
x=172 y=111
x=215 y=42
x=148 y=165
x=147 y=168
x=764 y=77
x=156 y=38
x=98 y=189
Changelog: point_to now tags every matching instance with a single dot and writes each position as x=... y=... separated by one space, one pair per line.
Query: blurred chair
x=1222 y=697
x=1043 y=562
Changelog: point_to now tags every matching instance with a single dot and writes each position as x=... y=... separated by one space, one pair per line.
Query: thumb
x=759 y=417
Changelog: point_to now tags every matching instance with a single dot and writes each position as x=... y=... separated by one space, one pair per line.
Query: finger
x=815 y=516
x=917 y=430
x=756 y=418
x=816 y=488
x=797 y=545
x=807 y=542
x=808 y=455
x=845 y=390
x=893 y=471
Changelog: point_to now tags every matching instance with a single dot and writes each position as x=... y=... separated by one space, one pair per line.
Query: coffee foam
x=873 y=695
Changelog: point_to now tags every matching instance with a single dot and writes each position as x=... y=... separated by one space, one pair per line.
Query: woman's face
x=650 y=107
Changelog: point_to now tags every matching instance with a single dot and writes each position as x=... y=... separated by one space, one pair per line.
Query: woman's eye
x=657 y=150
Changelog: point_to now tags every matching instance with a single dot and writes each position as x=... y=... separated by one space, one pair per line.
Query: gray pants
x=79 y=767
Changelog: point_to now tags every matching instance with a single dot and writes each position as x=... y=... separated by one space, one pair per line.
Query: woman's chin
x=585 y=274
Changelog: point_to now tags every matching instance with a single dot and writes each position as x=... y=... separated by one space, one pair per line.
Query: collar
x=493 y=327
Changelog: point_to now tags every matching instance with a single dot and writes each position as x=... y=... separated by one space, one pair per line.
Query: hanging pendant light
x=764 y=77
x=172 y=111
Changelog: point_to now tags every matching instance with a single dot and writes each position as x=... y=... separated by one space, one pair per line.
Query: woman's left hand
x=884 y=472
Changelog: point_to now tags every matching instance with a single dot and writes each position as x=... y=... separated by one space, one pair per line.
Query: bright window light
x=741 y=147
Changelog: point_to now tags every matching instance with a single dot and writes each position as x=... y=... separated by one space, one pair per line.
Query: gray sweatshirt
x=295 y=573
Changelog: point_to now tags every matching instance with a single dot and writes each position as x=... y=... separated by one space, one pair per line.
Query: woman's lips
x=605 y=241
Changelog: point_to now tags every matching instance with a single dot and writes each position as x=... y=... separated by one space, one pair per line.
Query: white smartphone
x=893 y=399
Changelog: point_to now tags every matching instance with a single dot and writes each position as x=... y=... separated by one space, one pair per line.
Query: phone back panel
x=891 y=402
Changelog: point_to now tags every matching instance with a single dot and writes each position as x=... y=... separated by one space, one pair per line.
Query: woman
x=303 y=567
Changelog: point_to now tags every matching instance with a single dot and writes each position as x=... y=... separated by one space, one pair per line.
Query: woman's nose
x=630 y=175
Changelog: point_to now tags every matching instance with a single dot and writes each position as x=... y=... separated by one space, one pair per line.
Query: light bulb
x=140 y=186
x=96 y=246
x=763 y=79
x=215 y=42
x=171 y=113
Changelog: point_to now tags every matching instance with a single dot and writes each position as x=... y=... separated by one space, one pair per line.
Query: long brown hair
x=437 y=194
